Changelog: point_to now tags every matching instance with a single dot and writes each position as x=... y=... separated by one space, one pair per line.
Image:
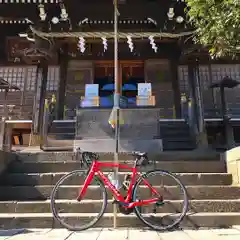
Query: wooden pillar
x=63 y=62
x=196 y=97
x=175 y=86
x=43 y=66
x=192 y=93
x=36 y=103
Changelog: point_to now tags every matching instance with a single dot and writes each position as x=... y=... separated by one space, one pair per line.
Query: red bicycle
x=133 y=183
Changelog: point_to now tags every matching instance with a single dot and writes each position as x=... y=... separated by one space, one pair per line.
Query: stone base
x=32 y=139
x=108 y=145
x=202 y=141
x=232 y=160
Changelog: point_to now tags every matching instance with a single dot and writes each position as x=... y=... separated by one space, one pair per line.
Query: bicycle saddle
x=139 y=154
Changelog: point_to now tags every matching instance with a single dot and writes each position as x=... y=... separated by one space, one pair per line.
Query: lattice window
x=204 y=77
x=31 y=78
x=14 y=75
x=183 y=78
x=17 y=76
x=52 y=82
x=219 y=71
x=53 y=78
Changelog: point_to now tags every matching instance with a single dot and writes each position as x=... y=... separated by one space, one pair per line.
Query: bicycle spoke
x=74 y=214
x=171 y=207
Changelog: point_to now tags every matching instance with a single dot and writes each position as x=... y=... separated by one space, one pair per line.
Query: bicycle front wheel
x=78 y=215
x=168 y=212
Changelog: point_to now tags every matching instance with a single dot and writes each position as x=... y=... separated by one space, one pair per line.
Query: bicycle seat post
x=135 y=163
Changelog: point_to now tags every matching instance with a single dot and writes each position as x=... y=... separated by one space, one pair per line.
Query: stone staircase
x=27 y=184
x=176 y=136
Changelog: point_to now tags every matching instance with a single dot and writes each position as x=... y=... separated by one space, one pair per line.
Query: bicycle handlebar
x=88 y=157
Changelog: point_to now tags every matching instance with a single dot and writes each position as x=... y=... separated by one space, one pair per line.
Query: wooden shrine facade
x=167 y=69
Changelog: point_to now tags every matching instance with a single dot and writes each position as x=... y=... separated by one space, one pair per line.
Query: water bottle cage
x=127 y=181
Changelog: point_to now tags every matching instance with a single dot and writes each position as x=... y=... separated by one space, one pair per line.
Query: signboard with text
x=91 y=90
x=144 y=89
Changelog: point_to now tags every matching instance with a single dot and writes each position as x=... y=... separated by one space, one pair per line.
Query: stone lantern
x=226 y=82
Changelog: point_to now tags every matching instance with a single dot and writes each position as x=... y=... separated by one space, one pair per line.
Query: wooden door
x=104 y=73
x=133 y=70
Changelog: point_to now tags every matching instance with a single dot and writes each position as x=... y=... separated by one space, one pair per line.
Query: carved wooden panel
x=16 y=47
x=79 y=74
x=157 y=72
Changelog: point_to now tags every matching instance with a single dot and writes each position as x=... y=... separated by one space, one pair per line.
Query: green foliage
x=217 y=24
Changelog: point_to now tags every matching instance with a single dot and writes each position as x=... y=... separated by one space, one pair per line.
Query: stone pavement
x=120 y=234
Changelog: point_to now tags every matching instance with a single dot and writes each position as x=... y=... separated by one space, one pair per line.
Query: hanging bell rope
x=107 y=35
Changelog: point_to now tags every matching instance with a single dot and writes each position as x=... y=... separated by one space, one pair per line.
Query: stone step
x=178 y=138
x=175 y=134
x=55 y=129
x=34 y=154
x=67 y=166
x=46 y=220
x=23 y=193
x=32 y=179
x=93 y=206
x=175 y=144
x=173 y=123
x=174 y=129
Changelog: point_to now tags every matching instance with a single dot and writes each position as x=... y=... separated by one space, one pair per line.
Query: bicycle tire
x=56 y=215
x=185 y=206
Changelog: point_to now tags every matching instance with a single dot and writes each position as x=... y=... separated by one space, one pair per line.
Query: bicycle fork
x=87 y=181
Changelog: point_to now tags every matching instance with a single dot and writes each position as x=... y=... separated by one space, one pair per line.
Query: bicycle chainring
x=124 y=210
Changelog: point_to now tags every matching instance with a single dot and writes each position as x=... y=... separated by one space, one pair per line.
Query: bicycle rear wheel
x=156 y=219
x=68 y=211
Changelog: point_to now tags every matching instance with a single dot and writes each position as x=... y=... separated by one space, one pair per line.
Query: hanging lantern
x=42 y=13
x=154 y=47
x=105 y=44
x=170 y=13
x=64 y=14
x=130 y=43
x=81 y=44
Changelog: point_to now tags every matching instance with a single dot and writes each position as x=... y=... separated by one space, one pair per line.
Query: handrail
x=191 y=118
x=2 y=134
x=44 y=128
x=48 y=119
x=19 y=121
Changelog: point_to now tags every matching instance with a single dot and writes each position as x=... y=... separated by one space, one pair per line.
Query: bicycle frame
x=95 y=171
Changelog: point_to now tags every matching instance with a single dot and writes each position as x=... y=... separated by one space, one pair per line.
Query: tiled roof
x=124 y=21
x=95 y=22
x=6 y=21
x=28 y=1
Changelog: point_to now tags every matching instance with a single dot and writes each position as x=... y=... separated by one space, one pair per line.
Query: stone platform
x=122 y=234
